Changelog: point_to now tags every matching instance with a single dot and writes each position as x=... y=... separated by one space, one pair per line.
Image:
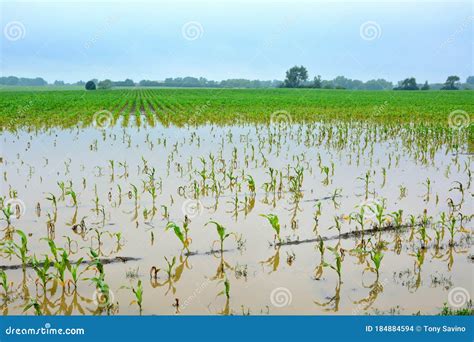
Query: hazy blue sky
x=236 y=39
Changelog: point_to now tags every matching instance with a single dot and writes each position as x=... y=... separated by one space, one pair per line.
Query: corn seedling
x=275 y=224
x=181 y=234
x=221 y=232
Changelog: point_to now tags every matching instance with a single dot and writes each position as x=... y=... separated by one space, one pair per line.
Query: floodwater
x=407 y=170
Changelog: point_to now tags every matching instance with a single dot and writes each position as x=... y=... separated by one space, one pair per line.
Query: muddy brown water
x=263 y=279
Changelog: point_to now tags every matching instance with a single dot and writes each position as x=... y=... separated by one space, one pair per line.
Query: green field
x=179 y=106
x=271 y=201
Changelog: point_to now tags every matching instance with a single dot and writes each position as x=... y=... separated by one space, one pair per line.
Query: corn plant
x=338 y=265
x=221 y=232
x=138 y=292
x=181 y=234
x=337 y=224
x=8 y=213
x=73 y=269
x=53 y=200
x=251 y=184
x=33 y=303
x=226 y=290
x=99 y=281
x=376 y=256
x=275 y=224
x=4 y=282
x=170 y=265
x=452 y=230
x=379 y=211
x=42 y=270
x=397 y=217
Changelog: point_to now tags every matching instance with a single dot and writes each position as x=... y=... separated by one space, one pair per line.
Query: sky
x=259 y=39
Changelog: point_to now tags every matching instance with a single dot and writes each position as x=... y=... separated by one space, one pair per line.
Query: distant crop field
x=182 y=106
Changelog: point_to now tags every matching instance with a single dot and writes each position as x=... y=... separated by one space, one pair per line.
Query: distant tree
x=378 y=84
x=58 y=83
x=90 y=85
x=317 y=81
x=426 y=86
x=327 y=84
x=105 y=84
x=450 y=83
x=127 y=83
x=407 y=84
x=295 y=77
x=470 y=80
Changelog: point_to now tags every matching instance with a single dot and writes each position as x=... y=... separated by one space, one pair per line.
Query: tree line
x=297 y=77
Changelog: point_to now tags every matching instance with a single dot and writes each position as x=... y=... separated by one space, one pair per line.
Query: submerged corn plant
x=181 y=234
x=138 y=293
x=221 y=232
x=338 y=265
x=275 y=224
x=4 y=282
x=33 y=303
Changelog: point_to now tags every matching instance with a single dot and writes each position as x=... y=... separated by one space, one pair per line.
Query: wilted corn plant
x=181 y=234
x=33 y=303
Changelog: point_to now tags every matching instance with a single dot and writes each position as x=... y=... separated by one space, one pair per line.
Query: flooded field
x=138 y=216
